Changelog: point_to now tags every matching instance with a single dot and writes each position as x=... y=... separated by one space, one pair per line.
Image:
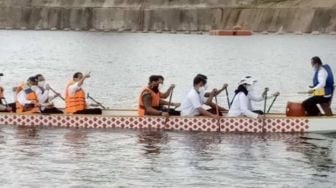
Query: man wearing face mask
x=192 y=104
x=322 y=89
x=42 y=92
x=75 y=102
x=27 y=101
x=242 y=101
x=150 y=102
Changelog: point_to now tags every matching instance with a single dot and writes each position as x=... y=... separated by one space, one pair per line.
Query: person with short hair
x=75 y=102
x=150 y=102
x=192 y=105
x=322 y=89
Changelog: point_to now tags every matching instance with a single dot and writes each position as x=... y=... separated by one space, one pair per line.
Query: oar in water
x=95 y=101
x=269 y=108
x=169 y=103
x=60 y=96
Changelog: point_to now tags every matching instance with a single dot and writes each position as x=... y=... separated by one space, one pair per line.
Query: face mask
x=249 y=87
x=41 y=83
x=160 y=87
x=202 y=89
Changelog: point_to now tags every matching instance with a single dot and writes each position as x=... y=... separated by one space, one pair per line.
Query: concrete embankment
x=170 y=15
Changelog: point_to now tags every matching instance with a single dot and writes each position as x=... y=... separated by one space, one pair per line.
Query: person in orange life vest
x=4 y=107
x=42 y=92
x=165 y=95
x=27 y=101
x=150 y=102
x=75 y=102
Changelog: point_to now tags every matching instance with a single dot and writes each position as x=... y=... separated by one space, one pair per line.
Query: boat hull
x=270 y=124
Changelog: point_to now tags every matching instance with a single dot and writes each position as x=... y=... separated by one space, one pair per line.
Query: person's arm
x=243 y=102
x=163 y=102
x=197 y=104
x=147 y=101
x=81 y=81
x=322 y=79
x=167 y=93
x=21 y=98
x=211 y=96
x=73 y=88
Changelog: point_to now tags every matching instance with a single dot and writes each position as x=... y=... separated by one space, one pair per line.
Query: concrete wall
x=193 y=15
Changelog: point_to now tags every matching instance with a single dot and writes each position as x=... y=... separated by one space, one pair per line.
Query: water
x=120 y=66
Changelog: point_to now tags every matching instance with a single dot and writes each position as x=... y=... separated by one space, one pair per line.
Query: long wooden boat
x=128 y=119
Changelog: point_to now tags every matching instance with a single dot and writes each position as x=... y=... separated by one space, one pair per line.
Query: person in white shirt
x=322 y=89
x=242 y=101
x=42 y=92
x=196 y=98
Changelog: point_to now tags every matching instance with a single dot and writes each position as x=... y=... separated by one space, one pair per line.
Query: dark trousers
x=310 y=105
x=172 y=112
x=258 y=112
x=51 y=111
x=90 y=111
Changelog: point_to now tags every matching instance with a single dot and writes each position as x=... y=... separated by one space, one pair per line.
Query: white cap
x=247 y=80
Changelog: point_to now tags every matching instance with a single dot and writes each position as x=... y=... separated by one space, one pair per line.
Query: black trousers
x=90 y=111
x=310 y=105
x=51 y=111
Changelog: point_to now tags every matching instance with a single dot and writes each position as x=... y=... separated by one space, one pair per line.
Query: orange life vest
x=155 y=101
x=76 y=102
x=28 y=108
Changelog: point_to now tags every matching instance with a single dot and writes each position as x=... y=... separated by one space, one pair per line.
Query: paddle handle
x=98 y=103
x=227 y=97
x=269 y=108
x=56 y=93
x=265 y=100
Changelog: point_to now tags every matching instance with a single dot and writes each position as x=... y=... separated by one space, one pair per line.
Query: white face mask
x=160 y=87
x=249 y=87
x=41 y=83
x=202 y=89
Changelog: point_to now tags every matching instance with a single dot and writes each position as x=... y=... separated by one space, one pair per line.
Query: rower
x=150 y=102
x=241 y=104
x=26 y=100
x=75 y=96
x=322 y=89
x=42 y=92
x=3 y=103
x=196 y=98
x=164 y=95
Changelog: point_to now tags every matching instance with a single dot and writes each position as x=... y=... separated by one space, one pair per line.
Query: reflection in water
x=150 y=139
x=77 y=141
x=318 y=152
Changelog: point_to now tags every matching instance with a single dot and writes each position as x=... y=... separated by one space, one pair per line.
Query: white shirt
x=22 y=99
x=192 y=102
x=242 y=106
x=322 y=76
x=73 y=88
x=43 y=98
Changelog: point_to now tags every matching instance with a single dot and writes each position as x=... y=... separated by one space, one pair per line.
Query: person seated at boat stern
x=75 y=102
x=322 y=89
x=26 y=100
x=241 y=104
x=42 y=92
x=150 y=102
x=192 y=105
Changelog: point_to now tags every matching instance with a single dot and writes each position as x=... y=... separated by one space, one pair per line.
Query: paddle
x=265 y=103
x=95 y=101
x=56 y=93
x=227 y=97
x=169 y=103
x=217 y=113
x=269 y=108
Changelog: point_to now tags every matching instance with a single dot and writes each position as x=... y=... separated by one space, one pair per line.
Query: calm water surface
x=120 y=65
